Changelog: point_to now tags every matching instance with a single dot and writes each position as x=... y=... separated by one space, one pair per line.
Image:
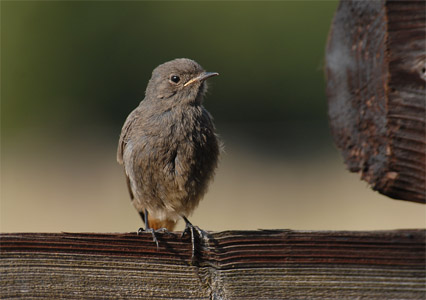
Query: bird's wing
x=129 y=187
x=125 y=131
x=123 y=138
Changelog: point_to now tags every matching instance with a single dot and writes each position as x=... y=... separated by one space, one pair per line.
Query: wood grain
x=376 y=77
x=265 y=264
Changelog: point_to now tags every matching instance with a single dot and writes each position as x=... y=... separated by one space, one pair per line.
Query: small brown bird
x=168 y=145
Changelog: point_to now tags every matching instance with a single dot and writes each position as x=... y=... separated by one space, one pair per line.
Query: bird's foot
x=152 y=231
x=162 y=230
x=193 y=231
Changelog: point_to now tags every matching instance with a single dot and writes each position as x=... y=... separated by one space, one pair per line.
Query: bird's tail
x=157 y=224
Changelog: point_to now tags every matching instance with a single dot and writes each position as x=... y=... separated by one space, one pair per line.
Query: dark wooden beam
x=376 y=74
x=265 y=264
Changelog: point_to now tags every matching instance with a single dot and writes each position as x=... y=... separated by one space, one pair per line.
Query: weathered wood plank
x=376 y=75
x=267 y=264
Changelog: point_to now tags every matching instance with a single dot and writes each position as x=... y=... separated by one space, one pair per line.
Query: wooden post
x=265 y=264
x=376 y=73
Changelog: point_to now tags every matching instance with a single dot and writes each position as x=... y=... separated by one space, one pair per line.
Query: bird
x=168 y=146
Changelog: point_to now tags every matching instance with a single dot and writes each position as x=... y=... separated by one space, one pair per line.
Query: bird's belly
x=171 y=180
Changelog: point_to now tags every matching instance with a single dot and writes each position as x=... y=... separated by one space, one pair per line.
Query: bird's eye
x=175 y=78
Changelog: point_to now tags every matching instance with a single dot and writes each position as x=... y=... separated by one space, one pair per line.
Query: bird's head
x=180 y=81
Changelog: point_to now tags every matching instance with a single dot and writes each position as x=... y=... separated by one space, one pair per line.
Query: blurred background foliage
x=89 y=62
x=71 y=71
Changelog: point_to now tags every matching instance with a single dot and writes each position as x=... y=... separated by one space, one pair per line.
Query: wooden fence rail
x=264 y=264
x=376 y=76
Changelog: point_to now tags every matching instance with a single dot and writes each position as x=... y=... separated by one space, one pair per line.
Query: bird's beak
x=201 y=77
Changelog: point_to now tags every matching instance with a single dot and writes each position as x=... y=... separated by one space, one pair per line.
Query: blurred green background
x=72 y=71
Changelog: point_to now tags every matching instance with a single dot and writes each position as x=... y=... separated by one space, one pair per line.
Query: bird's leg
x=148 y=229
x=142 y=214
x=190 y=229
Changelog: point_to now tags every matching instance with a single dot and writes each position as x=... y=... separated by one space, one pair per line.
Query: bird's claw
x=191 y=229
x=152 y=231
x=162 y=230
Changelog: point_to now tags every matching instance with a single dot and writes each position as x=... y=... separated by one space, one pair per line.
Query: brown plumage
x=168 y=145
